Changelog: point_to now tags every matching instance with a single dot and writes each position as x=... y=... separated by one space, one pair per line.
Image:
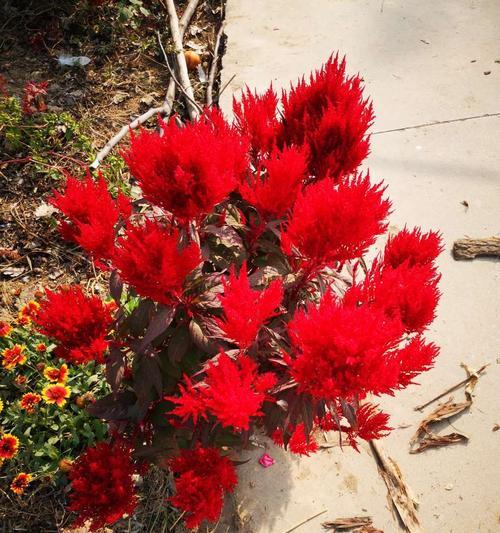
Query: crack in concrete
x=427 y=124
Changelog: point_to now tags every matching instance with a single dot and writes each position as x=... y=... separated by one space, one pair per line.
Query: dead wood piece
x=399 y=493
x=472 y=248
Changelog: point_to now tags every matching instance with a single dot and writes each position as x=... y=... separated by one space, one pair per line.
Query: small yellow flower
x=56 y=394
x=1 y=405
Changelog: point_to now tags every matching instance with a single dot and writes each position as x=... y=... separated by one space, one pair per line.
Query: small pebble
x=449 y=486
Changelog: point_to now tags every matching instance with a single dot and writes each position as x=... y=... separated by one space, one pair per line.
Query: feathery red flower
x=11 y=357
x=149 y=259
x=92 y=215
x=415 y=357
x=340 y=350
x=188 y=170
x=29 y=401
x=255 y=116
x=9 y=445
x=20 y=483
x=232 y=391
x=202 y=476
x=301 y=444
x=331 y=223
x=102 y=485
x=412 y=248
x=274 y=193
x=330 y=117
x=246 y=309
x=33 y=97
x=77 y=322
x=370 y=424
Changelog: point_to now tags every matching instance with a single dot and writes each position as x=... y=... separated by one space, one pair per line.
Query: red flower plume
x=246 y=309
x=149 y=259
x=77 y=322
x=188 y=170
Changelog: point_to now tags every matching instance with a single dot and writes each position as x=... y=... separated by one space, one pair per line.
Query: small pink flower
x=266 y=460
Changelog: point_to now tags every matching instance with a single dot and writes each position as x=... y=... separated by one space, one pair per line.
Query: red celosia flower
x=56 y=394
x=56 y=375
x=274 y=194
x=9 y=444
x=190 y=403
x=232 y=391
x=148 y=258
x=102 y=485
x=92 y=215
x=13 y=356
x=301 y=444
x=5 y=329
x=335 y=223
x=412 y=248
x=256 y=118
x=33 y=97
x=202 y=476
x=188 y=170
x=341 y=350
x=77 y=322
x=20 y=482
x=298 y=442
x=414 y=358
x=41 y=347
x=330 y=117
x=408 y=294
x=371 y=423
x=247 y=309
x=29 y=401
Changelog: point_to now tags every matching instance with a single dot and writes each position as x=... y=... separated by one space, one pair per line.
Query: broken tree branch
x=164 y=109
x=213 y=66
x=181 y=60
x=472 y=248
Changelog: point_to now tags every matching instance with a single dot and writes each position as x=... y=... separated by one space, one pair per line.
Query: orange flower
x=13 y=356
x=56 y=394
x=5 y=329
x=29 y=401
x=23 y=320
x=56 y=375
x=41 y=347
x=20 y=482
x=30 y=309
x=9 y=444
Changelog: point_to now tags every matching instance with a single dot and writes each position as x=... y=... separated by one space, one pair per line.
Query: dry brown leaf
x=399 y=494
x=436 y=441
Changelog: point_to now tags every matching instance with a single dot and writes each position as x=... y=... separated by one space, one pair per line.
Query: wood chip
x=356 y=524
x=472 y=248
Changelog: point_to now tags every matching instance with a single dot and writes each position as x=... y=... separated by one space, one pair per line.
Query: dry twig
x=296 y=526
x=181 y=60
x=213 y=66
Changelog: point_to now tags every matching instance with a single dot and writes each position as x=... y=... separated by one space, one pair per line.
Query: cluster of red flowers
x=34 y=97
x=79 y=324
x=245 y=253
x=102 y=485
x=202 y=476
